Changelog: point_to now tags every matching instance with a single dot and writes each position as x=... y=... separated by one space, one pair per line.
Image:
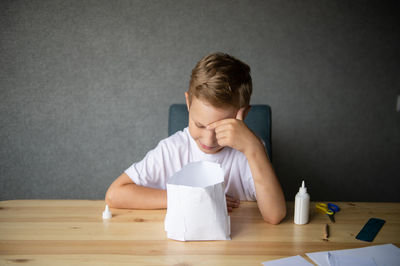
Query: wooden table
x=72 y=232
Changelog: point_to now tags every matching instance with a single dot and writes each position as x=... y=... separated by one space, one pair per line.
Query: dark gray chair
x=258 y=120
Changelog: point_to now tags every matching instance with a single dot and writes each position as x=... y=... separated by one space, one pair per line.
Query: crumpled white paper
x=196 y=204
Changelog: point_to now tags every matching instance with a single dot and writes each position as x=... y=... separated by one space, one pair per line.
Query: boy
x=218 y=101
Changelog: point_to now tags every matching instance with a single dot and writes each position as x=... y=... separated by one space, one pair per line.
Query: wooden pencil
x=326 y=231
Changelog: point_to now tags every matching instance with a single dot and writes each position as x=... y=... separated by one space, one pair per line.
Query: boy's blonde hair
x=221 y=80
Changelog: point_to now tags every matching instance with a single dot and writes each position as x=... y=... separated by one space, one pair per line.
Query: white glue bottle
x=302 y=206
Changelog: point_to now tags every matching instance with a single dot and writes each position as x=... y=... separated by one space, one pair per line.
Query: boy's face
x=201 y=114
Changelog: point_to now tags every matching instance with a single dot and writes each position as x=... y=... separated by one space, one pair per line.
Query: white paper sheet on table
x=289 y=261
x=382 y=255
x=350 y=260
x=196 y=204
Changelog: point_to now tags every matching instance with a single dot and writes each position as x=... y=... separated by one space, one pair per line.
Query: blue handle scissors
x=329 y=209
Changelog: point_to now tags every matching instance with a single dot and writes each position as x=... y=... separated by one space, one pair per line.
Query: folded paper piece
x=349 y=260
x=388 y=255
x=196 y=204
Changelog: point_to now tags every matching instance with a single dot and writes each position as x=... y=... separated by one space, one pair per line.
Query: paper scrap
x=196 y=204
x=349 y=260
x=289 y=261
x=382 y=255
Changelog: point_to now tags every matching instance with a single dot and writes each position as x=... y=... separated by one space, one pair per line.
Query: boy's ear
x=187 y=100
x=242 y=112
x=246 y=111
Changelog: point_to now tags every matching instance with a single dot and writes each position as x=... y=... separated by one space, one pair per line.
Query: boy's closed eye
x=199 y=125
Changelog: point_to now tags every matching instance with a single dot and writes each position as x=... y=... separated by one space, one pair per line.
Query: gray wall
x=85 y=88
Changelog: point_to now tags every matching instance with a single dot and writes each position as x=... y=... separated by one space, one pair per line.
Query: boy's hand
x=231 y=203
x=234 y=133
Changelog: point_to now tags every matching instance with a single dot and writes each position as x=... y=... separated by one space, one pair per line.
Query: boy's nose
x=209 y=138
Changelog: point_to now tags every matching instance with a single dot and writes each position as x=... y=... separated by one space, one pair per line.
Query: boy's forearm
x=132 y=196
x=270 y=198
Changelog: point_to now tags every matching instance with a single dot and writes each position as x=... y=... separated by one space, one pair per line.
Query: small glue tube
x=106 y=213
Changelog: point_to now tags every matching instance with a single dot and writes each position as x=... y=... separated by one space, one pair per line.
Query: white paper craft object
x=197 y=204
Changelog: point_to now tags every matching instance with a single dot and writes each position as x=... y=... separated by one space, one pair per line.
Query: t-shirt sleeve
x=151 y=171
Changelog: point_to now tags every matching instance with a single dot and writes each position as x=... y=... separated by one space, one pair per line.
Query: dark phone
x=370 y=229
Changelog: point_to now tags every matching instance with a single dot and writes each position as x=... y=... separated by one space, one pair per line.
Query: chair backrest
x=258 y=120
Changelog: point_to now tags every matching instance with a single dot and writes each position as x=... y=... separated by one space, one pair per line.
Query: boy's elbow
x=110 y=197
x=275 y=218
x=113 y=195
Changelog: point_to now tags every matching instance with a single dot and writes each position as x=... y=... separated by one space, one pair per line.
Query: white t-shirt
x=174 y=152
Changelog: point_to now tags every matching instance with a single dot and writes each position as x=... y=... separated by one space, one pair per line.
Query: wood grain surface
x=72 y=232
